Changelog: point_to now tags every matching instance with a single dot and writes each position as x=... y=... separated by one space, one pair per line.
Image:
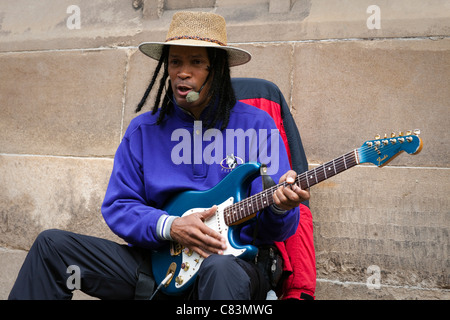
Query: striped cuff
x=163 y=227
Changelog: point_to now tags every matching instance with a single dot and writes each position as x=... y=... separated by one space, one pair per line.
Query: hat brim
x=236 y=56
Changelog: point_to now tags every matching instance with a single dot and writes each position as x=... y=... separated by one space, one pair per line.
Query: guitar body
x=185 y=263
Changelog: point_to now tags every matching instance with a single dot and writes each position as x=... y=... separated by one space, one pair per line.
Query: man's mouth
x=183 y=90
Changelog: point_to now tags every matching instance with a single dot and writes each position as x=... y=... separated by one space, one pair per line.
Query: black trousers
x=109 y=270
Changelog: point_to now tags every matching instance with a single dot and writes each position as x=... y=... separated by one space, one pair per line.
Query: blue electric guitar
x=175 y=267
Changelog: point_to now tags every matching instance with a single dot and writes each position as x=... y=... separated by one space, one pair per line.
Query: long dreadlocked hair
x=221 y=90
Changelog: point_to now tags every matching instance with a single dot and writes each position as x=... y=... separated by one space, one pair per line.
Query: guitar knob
x=179 y=280
x=188 y=252
x=185 y=266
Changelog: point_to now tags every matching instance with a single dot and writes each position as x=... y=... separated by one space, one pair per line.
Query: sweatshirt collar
x=187 y=116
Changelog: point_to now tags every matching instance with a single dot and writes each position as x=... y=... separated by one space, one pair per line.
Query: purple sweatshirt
x=154 y=162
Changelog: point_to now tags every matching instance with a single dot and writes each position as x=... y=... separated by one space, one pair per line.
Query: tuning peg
x=400 y=134
x=385 y=136
x=408 y=133
x=377 y=136
x=416 y=132
x=392 y=134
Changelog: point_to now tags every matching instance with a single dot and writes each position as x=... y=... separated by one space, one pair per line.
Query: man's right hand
x=191 y=232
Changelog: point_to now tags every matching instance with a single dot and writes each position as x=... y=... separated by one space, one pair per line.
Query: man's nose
x=184 y=72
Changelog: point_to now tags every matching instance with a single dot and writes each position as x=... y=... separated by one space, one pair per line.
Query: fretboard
x=247 y=208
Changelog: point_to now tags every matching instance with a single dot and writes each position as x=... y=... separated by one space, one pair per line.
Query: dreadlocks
x=221 y=90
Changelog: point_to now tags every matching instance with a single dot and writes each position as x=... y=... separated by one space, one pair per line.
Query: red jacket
x=297 y=251
x=299 y=259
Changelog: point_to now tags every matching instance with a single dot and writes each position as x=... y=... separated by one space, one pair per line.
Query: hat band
x=197 y=38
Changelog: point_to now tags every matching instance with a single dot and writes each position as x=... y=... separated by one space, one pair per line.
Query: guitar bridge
x=175 y=249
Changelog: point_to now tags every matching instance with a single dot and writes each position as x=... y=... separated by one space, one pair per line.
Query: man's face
x=188 y=70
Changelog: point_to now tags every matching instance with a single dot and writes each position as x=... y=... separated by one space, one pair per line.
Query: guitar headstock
x=382 y=150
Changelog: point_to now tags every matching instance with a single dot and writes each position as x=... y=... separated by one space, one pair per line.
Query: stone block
x=272 y=62
x=335 y=290
x=139 y=75
x=52 y=24
x=153 y=9
x=279 y=6
x=62 y=102
x=188 y=4
x=39 y=193
x=44 y=25
x=345 y=93
x=10 y=263
x=350 y=19
x=395 y=218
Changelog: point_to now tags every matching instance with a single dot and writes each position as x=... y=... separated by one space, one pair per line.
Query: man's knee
x=49 y=241
x=221 y=277
x=50 y=235
x=218 y=263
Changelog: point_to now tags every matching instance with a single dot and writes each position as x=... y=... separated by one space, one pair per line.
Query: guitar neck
x=246 y=209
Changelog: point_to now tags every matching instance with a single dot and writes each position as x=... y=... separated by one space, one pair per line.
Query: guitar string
x=245 y=207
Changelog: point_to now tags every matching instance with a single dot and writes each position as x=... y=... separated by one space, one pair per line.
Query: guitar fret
x=328 y=167
x=356 y=157
x=338 y=164
x=320 y=173
x=261 y=200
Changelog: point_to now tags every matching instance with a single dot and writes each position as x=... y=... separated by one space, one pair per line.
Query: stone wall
x=71 y=76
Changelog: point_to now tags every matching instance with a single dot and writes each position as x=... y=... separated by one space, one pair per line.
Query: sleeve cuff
x=277 y=210
x=163 y=227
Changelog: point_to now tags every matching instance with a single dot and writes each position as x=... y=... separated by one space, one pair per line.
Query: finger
x=282 y=200
x=289 y=177
x=206 y=245
x=287 y=198
x=205 y=215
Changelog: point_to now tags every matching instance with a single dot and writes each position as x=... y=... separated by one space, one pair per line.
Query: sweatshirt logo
x=230 y=162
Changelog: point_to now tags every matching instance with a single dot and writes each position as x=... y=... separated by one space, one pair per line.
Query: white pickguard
x=191 y=261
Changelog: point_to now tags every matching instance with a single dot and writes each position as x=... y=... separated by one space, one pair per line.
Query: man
x=150 y=168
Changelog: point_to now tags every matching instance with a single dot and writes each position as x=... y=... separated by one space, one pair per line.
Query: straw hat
x=197 y=29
